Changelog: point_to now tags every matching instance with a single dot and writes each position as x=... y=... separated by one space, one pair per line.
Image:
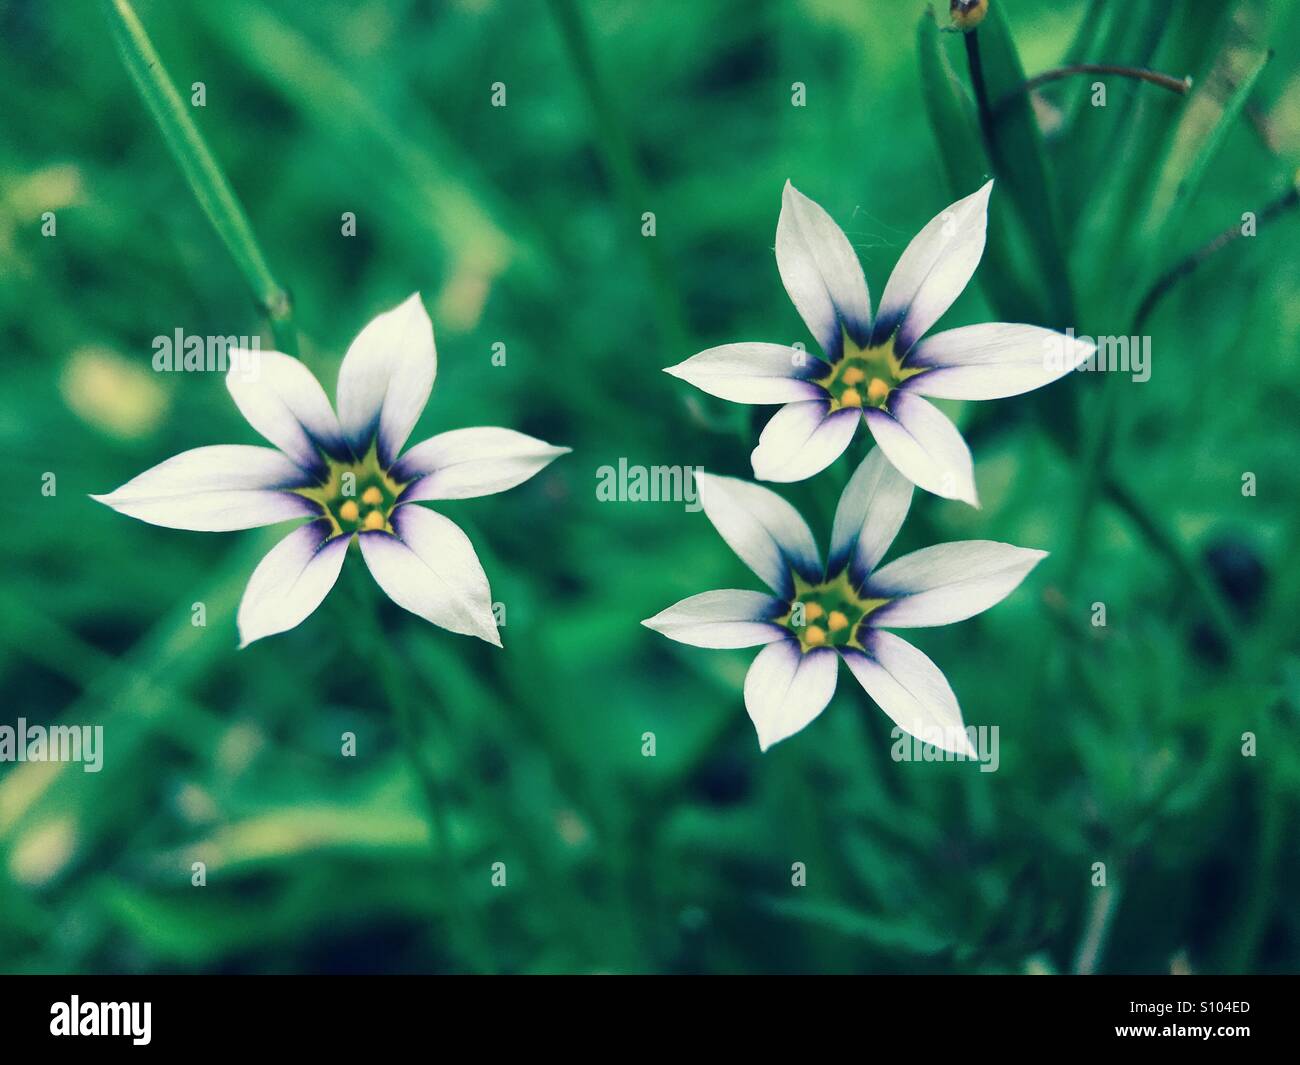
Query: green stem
x=1189 y=265
x=201 y=170
x=1218 y=614
x=987 y=125
x=1091 y=464
x=432 y=793
x=615 y=146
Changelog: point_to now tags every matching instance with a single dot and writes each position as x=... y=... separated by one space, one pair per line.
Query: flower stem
x=433 y=795
x=1163 y=540
x=1181 y=86
x=615 y=146
x=1188 y=266
x=987 y=125
x=201 y=170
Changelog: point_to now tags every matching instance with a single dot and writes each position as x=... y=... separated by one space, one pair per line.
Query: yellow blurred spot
x=813 y=611
x=349 y=511
x=814 y=636
x=113 y=395
x=877 y=391
x=462 y=299
x=374 y=521
x=373 y=496
x=42 y=852
x=837 y=621
x=853 y=375
x=850 y=398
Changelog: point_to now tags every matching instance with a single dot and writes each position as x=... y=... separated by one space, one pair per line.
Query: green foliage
x=521 y=225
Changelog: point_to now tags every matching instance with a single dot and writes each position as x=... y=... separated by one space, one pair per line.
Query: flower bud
x=967 y=14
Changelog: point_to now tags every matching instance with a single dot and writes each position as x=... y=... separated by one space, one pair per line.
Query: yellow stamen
x=850 y=398
x=837 y=621
x=877 y=391
x=373 y=496
x=374 y=520
x=853 y=375
x=349 y=511
x=814 y=635
x=813 y=611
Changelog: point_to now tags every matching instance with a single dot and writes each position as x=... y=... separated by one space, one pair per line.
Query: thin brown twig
x=1181 y=86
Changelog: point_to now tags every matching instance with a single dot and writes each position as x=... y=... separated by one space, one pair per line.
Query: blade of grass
x=1015 y=147
x=206 y=179
x=1180 y=184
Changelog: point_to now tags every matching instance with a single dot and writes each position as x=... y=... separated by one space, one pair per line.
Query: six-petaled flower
x=345 y=473
x=820 y=614
x=878 y=369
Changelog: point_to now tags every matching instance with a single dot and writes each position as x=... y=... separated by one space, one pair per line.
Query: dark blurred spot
x=1239 y=574
x=724 y=780
x=739 y=63
x=387 y=947
x=491 y=764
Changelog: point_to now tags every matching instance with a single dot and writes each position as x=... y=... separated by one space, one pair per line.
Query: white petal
x=785 y=689
x=762 y=528
x=429 y=568
x=801 y=439
x=993 y=361
x=924 y=446
x=949 y=582
x=291 y=581
x=821 y=273
x=754 y=373
x=871 y=510
x=728 y=618
x=215 y=489
x=386 y=378
x=912 y=690
x=933 y=270
x=284 y=402
x=465 y=463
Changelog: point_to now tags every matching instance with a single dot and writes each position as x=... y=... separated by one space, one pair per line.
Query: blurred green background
x=522 y=225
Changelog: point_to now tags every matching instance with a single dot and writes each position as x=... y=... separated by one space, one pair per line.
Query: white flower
x=345 y=474
x=879 y=370
x=820 y=614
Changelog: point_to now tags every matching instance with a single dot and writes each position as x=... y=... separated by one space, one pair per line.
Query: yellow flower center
x=828 y=614
x=357 y=496
x=864 y=377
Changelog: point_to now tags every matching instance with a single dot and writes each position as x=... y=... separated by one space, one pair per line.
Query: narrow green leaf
x=1128 y=34
x=1020 y=160
x=1169 y=209
x=1006 y=275
x=201 y=170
